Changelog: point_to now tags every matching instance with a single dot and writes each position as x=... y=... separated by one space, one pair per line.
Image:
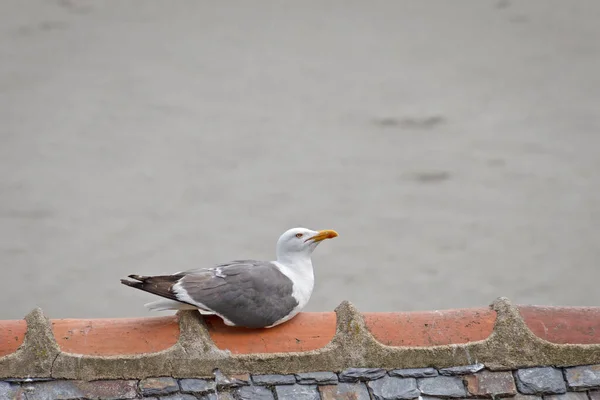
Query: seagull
x=243 y=293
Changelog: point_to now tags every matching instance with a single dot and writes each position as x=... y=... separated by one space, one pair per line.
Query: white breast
x=301 y=275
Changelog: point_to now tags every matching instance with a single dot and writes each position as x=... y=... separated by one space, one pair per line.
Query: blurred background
x=454 y=146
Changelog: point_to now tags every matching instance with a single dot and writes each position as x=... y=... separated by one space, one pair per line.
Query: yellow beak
x=322 y=235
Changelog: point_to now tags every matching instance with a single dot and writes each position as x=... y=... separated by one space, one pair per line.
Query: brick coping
x=308 y=331
x=502 y=336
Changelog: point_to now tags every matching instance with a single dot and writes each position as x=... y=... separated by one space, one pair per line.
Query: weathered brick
x=567 y=396
x=542 y=380
x=272 y=380
x=178 y=396
x=254 y=393
x=319 y=378
x=491 y=384
x=361 y=374
x=63 y=389
x=198 y=386
x=345 y=391
x=414 y=373
x=462 y=370
x=297 y=392
x=394 y=388
x=443 y=386
x=11 y=391
x=584 y=377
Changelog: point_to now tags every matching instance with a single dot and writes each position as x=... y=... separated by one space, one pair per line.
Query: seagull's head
x=297 y=242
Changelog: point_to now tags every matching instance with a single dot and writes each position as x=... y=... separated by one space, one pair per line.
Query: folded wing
x=243 y=292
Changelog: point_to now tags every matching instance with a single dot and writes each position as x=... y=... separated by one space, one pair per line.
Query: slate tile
x=26 y=380
x=361 y=374
x=345 y=391
x=11 y=391
x=491 y=384
x=462 y=370
x=109 y=389
x=273 y=380
x=55 y=390
x=442 y=386
x=254 y=393
x=394 y=388
x=198 y=386
x=594 y=394
x=72 y=389
x=158 y=386
x=231 y=381
x=567 y=396
x=583 y=377
x=219 y=395
x=520 y=396
x=178 y=396
x=414 y=373
x=319 y=378
x=540 y=380
x=297 y=392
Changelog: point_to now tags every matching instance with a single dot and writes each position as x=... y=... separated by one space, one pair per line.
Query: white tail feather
x=163 y=305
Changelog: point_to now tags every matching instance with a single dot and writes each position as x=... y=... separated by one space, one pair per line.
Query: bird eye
x=299 y=235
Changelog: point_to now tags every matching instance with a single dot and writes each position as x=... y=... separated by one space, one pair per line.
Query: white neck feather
x=300 y=272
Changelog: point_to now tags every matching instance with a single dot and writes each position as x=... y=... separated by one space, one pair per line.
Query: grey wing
x=244 y=263
x=246 y=292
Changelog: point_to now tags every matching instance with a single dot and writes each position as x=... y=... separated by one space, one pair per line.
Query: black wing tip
x=132 y=284
x=158 y=285
x=137 y=285
x=140 y=278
